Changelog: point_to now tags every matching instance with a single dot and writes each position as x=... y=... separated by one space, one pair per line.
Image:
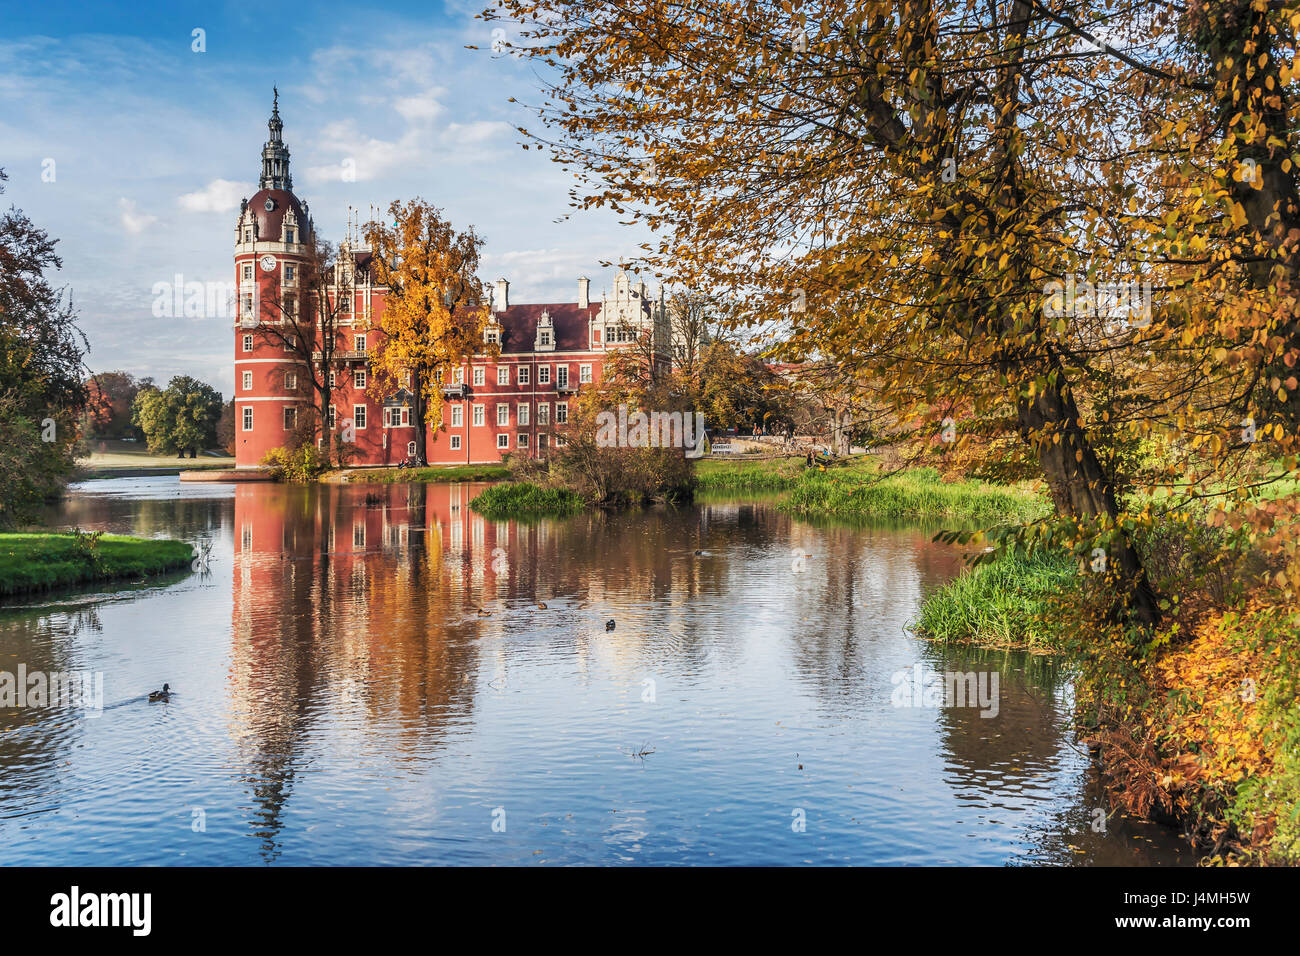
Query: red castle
x=510 y=403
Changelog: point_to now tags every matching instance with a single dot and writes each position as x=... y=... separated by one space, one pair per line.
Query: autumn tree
x=437 y=309
x=897 y=186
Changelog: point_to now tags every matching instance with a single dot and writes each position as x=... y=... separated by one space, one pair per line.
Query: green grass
x=434 y=474
x=525 y=500
x=914 y=495
x=780 y=474
x=1004 y=603
x=37 y=562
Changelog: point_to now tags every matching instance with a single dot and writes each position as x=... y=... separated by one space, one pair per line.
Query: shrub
x=304 y=463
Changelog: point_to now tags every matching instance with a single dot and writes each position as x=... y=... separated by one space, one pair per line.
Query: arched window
x=410 y=448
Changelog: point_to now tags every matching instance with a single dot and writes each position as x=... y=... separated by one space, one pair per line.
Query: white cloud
x=133 y=221
x=220 y=195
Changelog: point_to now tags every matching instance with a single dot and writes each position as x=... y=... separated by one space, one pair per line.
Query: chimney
x=584 y=292
x=503 y=295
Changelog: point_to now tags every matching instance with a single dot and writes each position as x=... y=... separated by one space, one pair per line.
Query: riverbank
x=38 y=562
x=525 y=500
x=1198 y=725
x=858 y=488
x=433 y=474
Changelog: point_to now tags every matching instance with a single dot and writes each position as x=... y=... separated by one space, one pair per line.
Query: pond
x=373 y=674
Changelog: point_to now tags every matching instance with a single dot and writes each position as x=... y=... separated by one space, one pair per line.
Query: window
x=543 y=375
x=561 y=413
x=359 y=416
x=541 y=442
x=288 y=343
x=457 y=376
x=543 y=413
x=358 y=378
x=523 y=440
x=289 y=238
x=478 y=414
x=248 y=272
x=248 y=419
x=584 y=373
x=455 y=443
x=478 y=375
x=361 y=344
x=457 y=416
x=503 y=414
x=561 y=376
x=503 y=375
x=491 y=335
x=290 y=418
x=248 y=381
x=291 y=381
x=288 y=271
x=248 y=235
x=410 y=448
x=395 y=417
x=333 y=417
x=543 y=337
x=522 y=375
x=248 y=343
x=561 y=441
x=503 y=441
x=334 y=380
x=521 y=413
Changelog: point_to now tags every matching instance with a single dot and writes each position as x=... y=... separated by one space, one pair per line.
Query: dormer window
x=248 y=235
x=544 y=337
x=491 y=335
x=289 y=236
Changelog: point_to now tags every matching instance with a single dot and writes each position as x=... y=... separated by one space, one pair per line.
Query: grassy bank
x=916 y=495
x=38 y=562
x=1197 y=724
x=1001 y=604
x=525 y=500
x=856 y=489
x=433 y=474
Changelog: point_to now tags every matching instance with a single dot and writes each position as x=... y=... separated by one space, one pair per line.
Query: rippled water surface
x=365 y=675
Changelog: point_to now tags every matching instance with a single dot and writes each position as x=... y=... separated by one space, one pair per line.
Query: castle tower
x=273 y=335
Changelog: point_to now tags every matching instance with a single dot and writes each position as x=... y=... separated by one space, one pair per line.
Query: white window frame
x=521 y=440
x=248 y=418
x=477 y=375
x=543 y=375
x=584 y=374
x=561 y=413
x=291 y=381
x=503 y=414
x=358 y=378
x=478 y=416
x=284 y=417
x=521 y=414
x=248 y=343
x=455 y=443
x=561 y=376
x=543 y=413
x=248 y=381
x=521 y=376
x=457 y=416
x=359 y=417
x=503 y=374
x=503 y=440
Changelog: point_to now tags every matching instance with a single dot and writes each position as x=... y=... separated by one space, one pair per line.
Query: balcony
x=568 y=388
x=455 y=390
x=345 y=355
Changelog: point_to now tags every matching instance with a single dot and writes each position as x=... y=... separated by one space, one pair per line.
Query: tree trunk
x=1080 y=487
x=417 y=417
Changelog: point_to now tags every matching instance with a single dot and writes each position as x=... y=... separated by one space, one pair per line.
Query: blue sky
x=153 y=145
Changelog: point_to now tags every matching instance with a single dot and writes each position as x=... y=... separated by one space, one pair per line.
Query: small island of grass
x=526 y=500
x=40 y=561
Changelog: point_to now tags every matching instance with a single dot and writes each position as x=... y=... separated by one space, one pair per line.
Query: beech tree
x=944 y=197
x=437 y=308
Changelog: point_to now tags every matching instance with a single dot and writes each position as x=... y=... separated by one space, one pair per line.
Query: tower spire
x=275 y=155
